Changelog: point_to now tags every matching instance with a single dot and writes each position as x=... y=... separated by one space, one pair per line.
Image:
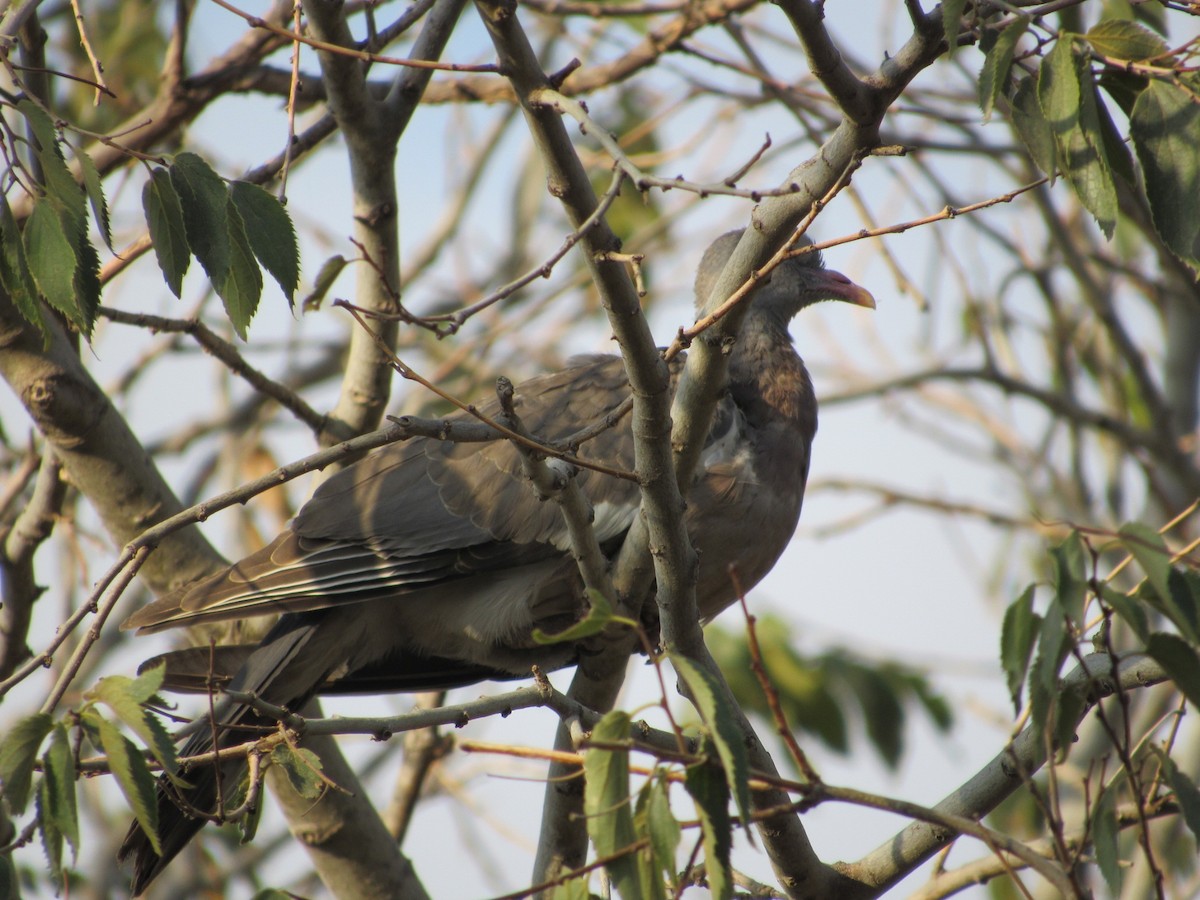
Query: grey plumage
x=429 y=564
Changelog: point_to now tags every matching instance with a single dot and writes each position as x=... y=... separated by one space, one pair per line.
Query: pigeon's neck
x=768 y=378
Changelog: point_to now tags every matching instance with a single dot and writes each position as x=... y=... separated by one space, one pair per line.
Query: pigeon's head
x=798 y=282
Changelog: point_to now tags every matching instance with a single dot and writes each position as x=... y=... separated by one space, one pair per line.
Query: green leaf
x=133 y=777
x=52 y=260
x=95 y=193
x=1186 y=793
x=14 y=271
x=1147 y=546
x=1180 y=661
x=1054 y=643
x=240 y=286
x=705 y=691
x=125 y=697
x=58 y=787
x=303 y=770
x=326 y=276
x=1017 y=637
x=1106 y=833
x=57 y=179
x=606 y=802
x=1129 y=609
x=87 y=283
x=600 y=616
x=952 y=12
x=168 y=234
x=1165 y=127
x=574 y=889
x=1183 y=589
x=1125 y=40
x=18 y=752
x=1070 y=576
x=52 y=839
x=993 y=77
x=1033 y=129
x=707 y=785
x=271 y=234
x=204 y=200
x=652 y=818
x=1070 y=105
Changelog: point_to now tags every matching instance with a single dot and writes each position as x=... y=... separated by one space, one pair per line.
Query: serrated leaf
x=707 y=785
x=133 y=778
x=326 y=276
x=58 y=787
x=1106 y=833
x=952 y=12
x=57 y=180
x=1033 y=129
x=14 y=271
x=18 y=752
x=52 y=260
x=993 y=77
x=1180 y=661
x=1129 y=609
x=1070 y=576
x=1069 y=103
x=1186 y=793
x=1147 y=546
x=272 y=235
x=94 y=188
x=204 y=201
x=1017 y=637
x=722 y=725
x=1125 y=40
x=168 y=234
x=652 y=819
x=1165 y=127
x=125 y=697
x=52 y=839
x=606 y=802
x=303 y=770
x=240 y=286
x=1053 y=647
x=600 y=616
x=87 y=283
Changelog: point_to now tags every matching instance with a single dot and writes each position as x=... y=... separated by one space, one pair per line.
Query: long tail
x=283 y=670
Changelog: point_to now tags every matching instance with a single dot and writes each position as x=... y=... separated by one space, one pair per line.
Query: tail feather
x=278 y=673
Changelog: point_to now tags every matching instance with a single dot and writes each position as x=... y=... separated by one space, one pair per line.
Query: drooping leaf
x=52 y=260
x=1165 y=127
x=1017 y=637
x=1125 y=40
x=240 y=286
x=87 y=282
x=52 y=839
x=993 y=77
x=1129 y=609
x=168 y=235
x=952 y=12
x=607 y=804
x=1187 y=795
x=18 y=753
x=14 y=271
x=1054 y=643
x=707 y=785
x=125 y=697
x=1180 y=661
x=271 y=233
x=326 y=276
x=94 y=188
x=1146 y=546
x=204 y=201
x=652 y=818
x=57 y=180
x=132 y=775
x=1069 y=103
x=1070 y=576
x=58 y=787
x=1106 y=833
x=1033 y=129
x=722 y=727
